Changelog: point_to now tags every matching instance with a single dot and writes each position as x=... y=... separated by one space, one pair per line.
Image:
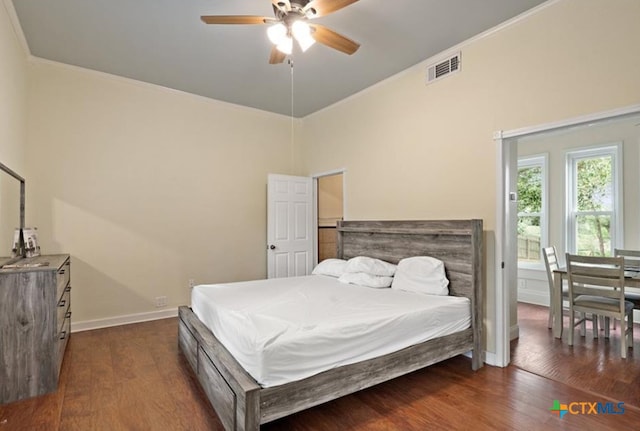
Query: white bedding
x=286 y=329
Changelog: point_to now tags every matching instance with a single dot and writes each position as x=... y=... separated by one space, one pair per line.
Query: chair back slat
x=599 y=276
x=579 y=289
x=619 y=252
x=551 y=262
x=631 y=258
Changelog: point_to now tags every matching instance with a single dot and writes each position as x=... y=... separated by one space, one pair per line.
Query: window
x=532 y=209
x=594 y=204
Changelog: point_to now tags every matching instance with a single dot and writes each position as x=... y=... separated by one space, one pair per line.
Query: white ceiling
x=164 y=42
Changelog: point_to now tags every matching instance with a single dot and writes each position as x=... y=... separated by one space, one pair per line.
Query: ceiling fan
x=291 y=22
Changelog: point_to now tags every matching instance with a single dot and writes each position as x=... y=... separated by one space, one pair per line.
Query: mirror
x=12 y=188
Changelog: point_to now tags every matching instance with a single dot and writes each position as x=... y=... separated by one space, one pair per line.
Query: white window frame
x=573 y=156
x=543 y=161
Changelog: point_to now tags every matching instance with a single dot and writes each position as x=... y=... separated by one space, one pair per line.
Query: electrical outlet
x=192 y=283
x=161 y=301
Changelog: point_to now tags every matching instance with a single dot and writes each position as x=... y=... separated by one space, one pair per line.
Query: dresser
x=35 y=320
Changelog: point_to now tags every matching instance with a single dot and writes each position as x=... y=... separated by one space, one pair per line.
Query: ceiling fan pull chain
x=290 y=60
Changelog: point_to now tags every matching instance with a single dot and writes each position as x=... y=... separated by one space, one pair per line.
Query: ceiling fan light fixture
x=286 y=45
x=277 y=33
x=302 y=33
x=306 y=43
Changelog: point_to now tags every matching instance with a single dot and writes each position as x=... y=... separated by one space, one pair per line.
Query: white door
x=289 y=226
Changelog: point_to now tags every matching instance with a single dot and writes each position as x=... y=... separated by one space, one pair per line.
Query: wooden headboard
x=458 y=243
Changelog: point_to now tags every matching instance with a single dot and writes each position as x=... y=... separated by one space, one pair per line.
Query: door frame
x=505 y=249
x=314 y=178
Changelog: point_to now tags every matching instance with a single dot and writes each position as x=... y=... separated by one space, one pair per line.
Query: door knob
x=272 y=247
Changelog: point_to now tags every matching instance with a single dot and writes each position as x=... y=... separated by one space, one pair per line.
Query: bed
x=243 y=404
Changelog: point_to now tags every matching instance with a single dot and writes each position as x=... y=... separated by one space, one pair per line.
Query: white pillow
x=331 y=267
x=370 y=266
x=367 y=280
x=422 y=274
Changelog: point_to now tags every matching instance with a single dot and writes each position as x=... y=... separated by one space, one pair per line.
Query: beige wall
x=426 y=151
x=147 y=187
x=13 y=95
x=13 y=103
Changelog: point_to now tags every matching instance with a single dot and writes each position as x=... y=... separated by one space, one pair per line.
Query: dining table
x=631 y=279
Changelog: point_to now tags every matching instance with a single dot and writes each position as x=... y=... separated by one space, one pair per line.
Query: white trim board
x=576 y=121
x=89 y=325
x=17 y=28
x=514 y=332
x=533 y=297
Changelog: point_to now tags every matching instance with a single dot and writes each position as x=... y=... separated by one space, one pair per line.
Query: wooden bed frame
x=242 y=404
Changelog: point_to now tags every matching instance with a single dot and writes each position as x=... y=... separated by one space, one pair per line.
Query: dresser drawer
x=63 y=307
x=61 y=342
x=62 y=278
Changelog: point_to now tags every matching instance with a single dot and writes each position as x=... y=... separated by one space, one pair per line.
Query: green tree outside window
x=529 y=213
x=594 y=194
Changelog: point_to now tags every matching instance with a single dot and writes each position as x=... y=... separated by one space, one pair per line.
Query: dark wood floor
x=593 y=365
x=134 y=378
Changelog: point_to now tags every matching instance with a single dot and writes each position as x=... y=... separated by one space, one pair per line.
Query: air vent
x=443 y=68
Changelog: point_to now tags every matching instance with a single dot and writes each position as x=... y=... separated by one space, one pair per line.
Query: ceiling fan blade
x=276 y=56
x=333 y=40
x=283 y=5
x=325 y=7
x=235 y=19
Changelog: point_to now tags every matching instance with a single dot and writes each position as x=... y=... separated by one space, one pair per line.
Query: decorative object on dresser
x=31 y=247
x=35 y=321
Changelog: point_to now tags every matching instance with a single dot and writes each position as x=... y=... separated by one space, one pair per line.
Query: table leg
x=557 y=305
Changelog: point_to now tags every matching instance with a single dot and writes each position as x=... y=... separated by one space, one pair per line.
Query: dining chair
x=631 y=262
x=596 y=285
x=550 y=256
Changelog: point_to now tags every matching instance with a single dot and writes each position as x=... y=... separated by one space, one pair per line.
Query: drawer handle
x=62 y=303
x=63 y=335
x=67 y=315
x=61 y=272
x=68 y=288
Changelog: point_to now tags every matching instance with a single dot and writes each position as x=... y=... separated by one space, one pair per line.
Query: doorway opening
x=557 y=140
x=330 y=204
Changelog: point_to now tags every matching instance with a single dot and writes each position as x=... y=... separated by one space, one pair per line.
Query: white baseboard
x=88 y=325
x=491 y=359
x=533 y=297
x=514 y=332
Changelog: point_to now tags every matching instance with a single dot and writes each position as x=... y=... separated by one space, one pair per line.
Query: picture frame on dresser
x=30 y=247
